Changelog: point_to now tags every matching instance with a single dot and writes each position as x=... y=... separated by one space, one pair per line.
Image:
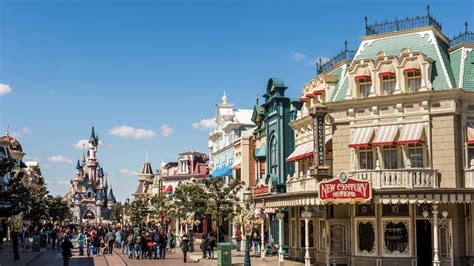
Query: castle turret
x=111 y=202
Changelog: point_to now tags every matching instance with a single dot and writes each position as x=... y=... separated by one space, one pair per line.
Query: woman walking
x=184 y=246
x=80 y=243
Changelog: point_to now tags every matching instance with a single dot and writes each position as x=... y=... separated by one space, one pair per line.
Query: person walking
x=238 y=239
x=124 y=238
x=184 y=246
x=163 y=243
x=118 y=239
x=53 y=236
x=172 y=241
x=144 y=245
x=203 y=245
x=97 y=244
x=110 y=239
x=130 y=245
x=66 y=247
x=138 y=245
x=211 y=243
x=256 y=242
x=80 y=242
x=156 y=243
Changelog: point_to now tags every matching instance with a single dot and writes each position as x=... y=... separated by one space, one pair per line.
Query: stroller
x=150 y=249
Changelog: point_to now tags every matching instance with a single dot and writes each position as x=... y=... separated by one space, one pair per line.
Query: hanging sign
x=248 y=230
x=261 y=190
x=345 y=190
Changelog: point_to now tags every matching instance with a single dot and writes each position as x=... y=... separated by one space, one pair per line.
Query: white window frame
x=364 y=220
x=414 y=77
x=398 y=156
x=367 y=83
x=389 y=80
x=365 y=150
x=407 y=222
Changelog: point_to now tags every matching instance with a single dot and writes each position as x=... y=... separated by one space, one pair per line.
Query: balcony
x=399 y=178
x=301 y=182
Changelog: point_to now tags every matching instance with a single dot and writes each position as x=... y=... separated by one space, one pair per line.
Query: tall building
x=91 y=198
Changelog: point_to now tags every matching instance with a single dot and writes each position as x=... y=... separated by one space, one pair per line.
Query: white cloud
x=205 y=124
x=63 y=182
x=166 y=130
x=79 y=143
x=126 y=172
x=59 y=159
x=130 y=132
x=5 y=89
x=297 y=56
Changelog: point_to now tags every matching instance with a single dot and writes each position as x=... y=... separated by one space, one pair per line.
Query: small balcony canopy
x=386 y=135
x=361 y=137
x=412 y=133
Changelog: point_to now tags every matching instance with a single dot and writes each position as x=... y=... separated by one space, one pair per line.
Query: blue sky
x=161 y=66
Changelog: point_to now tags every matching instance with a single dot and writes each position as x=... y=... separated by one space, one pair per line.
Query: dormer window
x=388 y=83
x=364 y=87
x=413 y=76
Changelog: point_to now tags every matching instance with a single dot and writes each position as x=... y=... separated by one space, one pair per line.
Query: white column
x=436 y=261
x=307 y=258
x=280 y=216
x=262 y=236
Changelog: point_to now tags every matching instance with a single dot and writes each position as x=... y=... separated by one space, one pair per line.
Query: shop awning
x=318 y=92
x=362 y=73
x=260 y=152
x=411 y=66
x=411 y=133
x=470 y=133
x=216 y=171
x=386 y=135
x=361 y=137
x=301 y=152
x=310 y=95
x=168 y=189
x=236 y=164
x=226 y=171
x=303 y=99
x=387 y=70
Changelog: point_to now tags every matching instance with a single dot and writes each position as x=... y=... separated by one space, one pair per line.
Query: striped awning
x=303 y=99
x=422 y=198
x=411 y=66
x=386 y=70
x=412 y=133
x=362 y=73
x=361 y=137
x=236 y=164
x=386 y=135
x=301 y=152
x=470 y=133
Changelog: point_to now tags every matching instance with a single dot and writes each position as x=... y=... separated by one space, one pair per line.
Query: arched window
x=273 y=155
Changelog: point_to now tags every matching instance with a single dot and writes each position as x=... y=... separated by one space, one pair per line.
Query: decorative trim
x=373 y=221
x=406 y=252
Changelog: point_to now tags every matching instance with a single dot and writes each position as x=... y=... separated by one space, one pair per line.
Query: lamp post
x=280 y=216
x=262 y=235
x=306 y=215
x=435 y=220
x=248 y=228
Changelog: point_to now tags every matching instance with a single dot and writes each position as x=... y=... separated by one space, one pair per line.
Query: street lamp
x=263 y=250
x=280 y=216
x=247 y=195
x=435 y=220
x=306 y=215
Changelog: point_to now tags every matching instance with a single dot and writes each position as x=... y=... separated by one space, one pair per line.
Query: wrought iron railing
x=466 y=36
x=402 y=24
x=342 y=55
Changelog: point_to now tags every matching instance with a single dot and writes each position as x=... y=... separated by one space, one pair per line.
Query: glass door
x=445 y=243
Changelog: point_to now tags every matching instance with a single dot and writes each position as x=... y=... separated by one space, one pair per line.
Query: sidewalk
x=6 y=256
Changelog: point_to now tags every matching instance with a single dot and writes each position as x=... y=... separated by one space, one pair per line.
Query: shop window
x=470 y=155
x=322 y=235
x=413 y=81
x=338 y=239
x=294 y=234
x=444 y=241
x=364 y=87
x=366 y=237
x=388 y=84
x=390 y=157
x=366 y=159
x=396 y=237
x=273 y=156
x=365 y=210
x=415 y=155
x=302 y=233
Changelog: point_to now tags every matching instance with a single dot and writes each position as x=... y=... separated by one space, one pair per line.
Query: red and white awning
x=470 y=133
x=412 y=133
x=301 y=152
x=386 y=135
x=361 y=137
x=386 y=70
x=362 y=73
x=411 y=66
x=168 y=189
x=303 y=99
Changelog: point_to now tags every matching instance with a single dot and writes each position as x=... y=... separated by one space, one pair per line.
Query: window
x=322 y=235
x=414 y=81
x=470 y=155
x=364 y=87
x=388 y=84
x=415 y=155
x=444 y=241
x=273 y=156
x=390 y=157
x=366 y=158
x=310 y=233
x=396 y=237
x=366 y=237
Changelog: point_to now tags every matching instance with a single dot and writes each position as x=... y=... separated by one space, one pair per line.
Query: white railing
x=301 y=182
x=399 y=178
x=469 y=178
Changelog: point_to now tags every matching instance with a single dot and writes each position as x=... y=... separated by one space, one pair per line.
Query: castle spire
x=83 y=152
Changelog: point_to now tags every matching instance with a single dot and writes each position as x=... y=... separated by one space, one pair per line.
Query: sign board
x=261 y=190
x=345 y=190
x=248 y=230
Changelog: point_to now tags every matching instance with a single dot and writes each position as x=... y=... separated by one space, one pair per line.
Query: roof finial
x=465 y=27
x=366 y=23
x=428 y=10
x=224 y=98
x=345 y=45
x=256 y=99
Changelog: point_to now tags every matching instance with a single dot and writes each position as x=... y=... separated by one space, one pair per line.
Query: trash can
x=224 y=254
x=43 y=238
x=36 y=244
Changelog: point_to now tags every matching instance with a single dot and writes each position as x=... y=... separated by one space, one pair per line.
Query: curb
x=116 y=253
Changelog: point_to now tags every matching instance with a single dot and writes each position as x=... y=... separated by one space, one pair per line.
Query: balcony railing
x=399 y=178
x=342 y=55
x=402 y=24
x=469 y=178
x=466 y=36
x=301 y=182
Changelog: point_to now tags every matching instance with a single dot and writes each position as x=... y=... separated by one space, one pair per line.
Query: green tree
x=190 y=199
x=222 y=199
x=137 y=211
x=118 y=212
x=38 y=199
x=57 y=208
x=15 y=198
